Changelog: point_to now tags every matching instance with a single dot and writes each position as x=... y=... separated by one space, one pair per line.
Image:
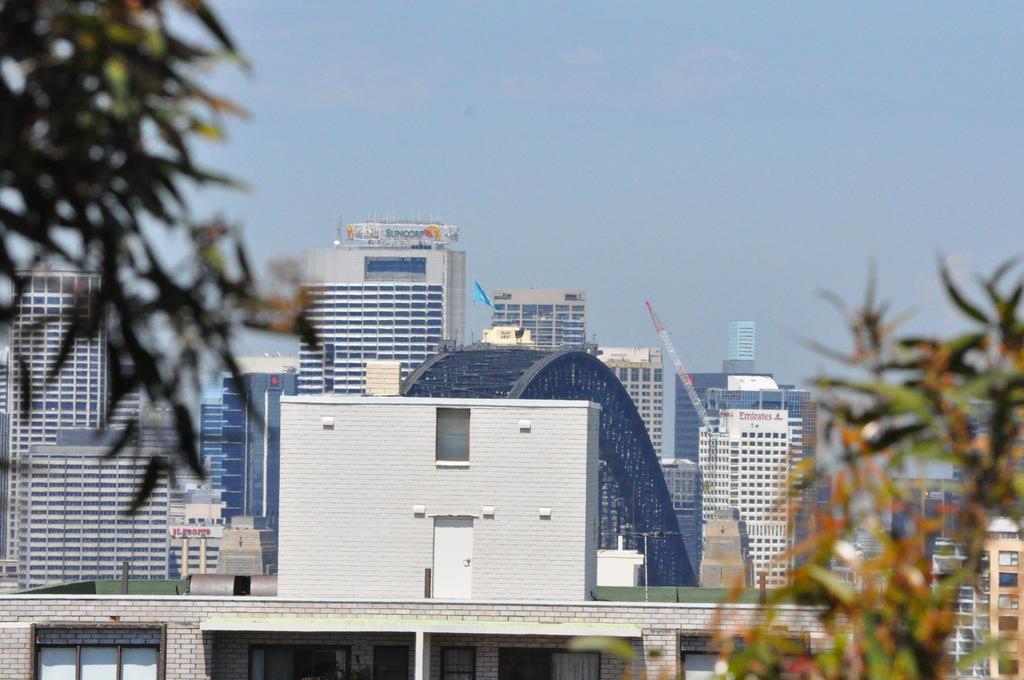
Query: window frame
x=461 y=648
x=78 y=646
x=161 y=645
x=1013 y=558
x=293 y=647
x=549 y=652
x=452 y=462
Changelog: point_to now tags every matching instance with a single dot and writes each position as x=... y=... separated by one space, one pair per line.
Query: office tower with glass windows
x=74 y=398
x=742 y=347
x=640 y=370
x=211 y=432
x=387 y=291
x=555 y=317
x=75 y=522
x=684 y=486
x=746 y=462
x=741 y=352
x=4 y=420
x=687 y=422
x=241 y=446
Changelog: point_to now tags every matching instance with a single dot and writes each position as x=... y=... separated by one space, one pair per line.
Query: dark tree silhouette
x=101 y=104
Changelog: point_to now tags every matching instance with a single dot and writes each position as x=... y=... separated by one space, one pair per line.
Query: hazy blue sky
x=724 y=160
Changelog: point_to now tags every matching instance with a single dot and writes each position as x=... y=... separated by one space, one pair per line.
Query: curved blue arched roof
x=634 y=497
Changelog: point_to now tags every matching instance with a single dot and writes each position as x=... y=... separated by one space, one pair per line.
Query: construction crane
x=670 y=347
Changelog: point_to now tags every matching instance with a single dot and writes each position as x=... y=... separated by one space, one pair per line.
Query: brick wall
x=191 y=653
x=347 y=523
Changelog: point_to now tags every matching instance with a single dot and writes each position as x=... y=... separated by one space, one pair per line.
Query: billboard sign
x=190 y=531
x=400 y=234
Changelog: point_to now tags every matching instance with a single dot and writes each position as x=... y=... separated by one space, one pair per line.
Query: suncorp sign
x=400 y=234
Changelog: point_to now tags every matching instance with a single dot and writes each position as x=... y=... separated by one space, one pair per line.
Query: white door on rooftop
x=453 y=557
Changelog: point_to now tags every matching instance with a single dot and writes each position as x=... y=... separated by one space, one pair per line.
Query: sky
x=723 y=160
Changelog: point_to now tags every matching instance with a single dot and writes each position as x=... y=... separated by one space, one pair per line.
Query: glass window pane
x=138 y=663
x=700 y=666
x=99 y=663
x=57 y=663
x=326 y=663
x=575 y=666
x=256 y=665
x=390 y=663
x=458 y=663
x=277 y=664
x=452 y=434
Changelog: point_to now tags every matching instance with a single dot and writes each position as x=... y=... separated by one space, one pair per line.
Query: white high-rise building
x=640 y=370
x=745 y=467
x=387 y=291
x=75 y=524
x=74 y=398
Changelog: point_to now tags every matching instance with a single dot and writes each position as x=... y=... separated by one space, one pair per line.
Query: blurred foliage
x=914 y=400
x=101 y=105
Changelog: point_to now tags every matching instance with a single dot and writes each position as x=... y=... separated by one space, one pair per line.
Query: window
x=700 y=666
x=452 y=435
x=1008 y=623
x=543 y=664
x=395 y=269
x=1009 y=667
x=575 y=665
x=1009 y=558
x=390 y=663
x=1008 y=602
x=458 y=663
x=1007 y=579
x=88 y=662
x=296 y=663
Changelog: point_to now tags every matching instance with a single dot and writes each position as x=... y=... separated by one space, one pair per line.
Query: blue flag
x=479 y=295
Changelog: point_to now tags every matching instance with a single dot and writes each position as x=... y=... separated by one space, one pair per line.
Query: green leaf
x=617 y=647
x=838 y=589
x=958 y=299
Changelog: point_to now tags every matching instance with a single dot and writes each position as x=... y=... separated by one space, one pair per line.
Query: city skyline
x=705 y=138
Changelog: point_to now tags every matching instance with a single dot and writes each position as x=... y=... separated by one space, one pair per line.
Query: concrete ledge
x=332 y=625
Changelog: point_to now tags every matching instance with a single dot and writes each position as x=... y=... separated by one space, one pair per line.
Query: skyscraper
x=740 y=362
x=746 y=467
x=242 y=446
x=555 y=317
x=73 y=398
x=388 y=291
x=75 y=525
x=211 y=432
x=640 y=371
x=683 y=479
x=741 y=347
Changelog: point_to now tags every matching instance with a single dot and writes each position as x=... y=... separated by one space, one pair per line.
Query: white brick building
x=53 y=637
x=497 y=498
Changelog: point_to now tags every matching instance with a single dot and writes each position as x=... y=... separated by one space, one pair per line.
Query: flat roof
x=469 y=402
x=109 y=587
